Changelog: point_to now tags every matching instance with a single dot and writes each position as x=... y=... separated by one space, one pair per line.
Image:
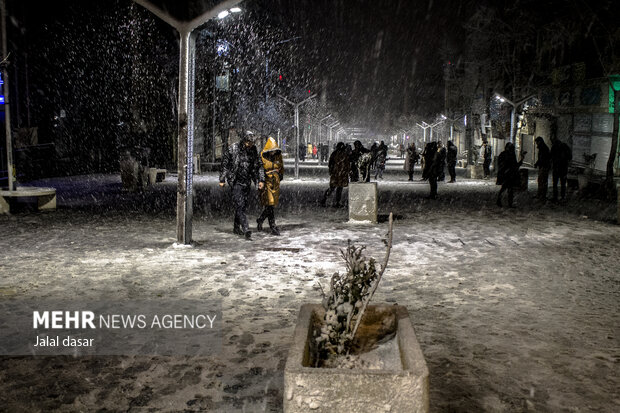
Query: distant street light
x=224 y=13
x=514 y=105
x=296 y=106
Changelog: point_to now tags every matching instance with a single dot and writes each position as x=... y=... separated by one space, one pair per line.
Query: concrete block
x=327 y=390
x=363 y=204
x=475 y=171
x=156 y=175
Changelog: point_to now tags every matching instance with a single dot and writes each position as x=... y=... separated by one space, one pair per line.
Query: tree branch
x=374 y=288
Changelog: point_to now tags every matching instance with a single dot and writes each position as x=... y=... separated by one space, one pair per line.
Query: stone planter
x=403 y=387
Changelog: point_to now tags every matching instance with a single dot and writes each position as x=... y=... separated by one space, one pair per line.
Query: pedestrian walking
x=431 y=167
x=411 y=159
x=508 y=173
x=302 y=152
x=401 y=150
x=339 y=170
x=543 y=164
x=373 y=153
x=273 y=171
x=241 y=168
x=360 y=159
x=315 y=151
x=487 y=158
x=561 y=155
x=451 y=159
x=381 y=160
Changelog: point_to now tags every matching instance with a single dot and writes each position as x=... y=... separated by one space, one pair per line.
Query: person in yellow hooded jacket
x=273 y=167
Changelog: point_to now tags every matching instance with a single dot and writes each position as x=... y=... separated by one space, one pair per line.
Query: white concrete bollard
x=363 y=203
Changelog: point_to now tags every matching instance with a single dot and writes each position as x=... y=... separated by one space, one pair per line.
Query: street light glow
x=235 y=10
x=223 y=14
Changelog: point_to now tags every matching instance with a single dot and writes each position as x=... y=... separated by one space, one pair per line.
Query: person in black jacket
x=339 y=169
x=561 y=155
x=381 y=159
x=543 y=164
x=442 y=161
x=508 y=172
x=241 y=168
x=411 y=159
x=451 y=158
x=487 y=158
x=360 y=160
x=431 y=167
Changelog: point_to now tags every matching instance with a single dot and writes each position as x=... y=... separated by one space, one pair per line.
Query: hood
x=271 y=146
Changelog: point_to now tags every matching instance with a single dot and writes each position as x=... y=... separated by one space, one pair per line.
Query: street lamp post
x=329 y=141
x=296 y=106
x=7 y=106
x=452 y=120
x=433 y=125
x=424 y=126
x=185 y=112
x=514 y=105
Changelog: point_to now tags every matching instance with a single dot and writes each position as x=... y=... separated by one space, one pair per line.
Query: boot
x=259 y=225
x=275 y=231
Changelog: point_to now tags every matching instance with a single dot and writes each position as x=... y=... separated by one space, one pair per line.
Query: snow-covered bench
x=46 y=197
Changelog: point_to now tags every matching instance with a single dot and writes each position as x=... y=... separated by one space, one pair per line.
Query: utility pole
x=7 y=106
x=296 y=106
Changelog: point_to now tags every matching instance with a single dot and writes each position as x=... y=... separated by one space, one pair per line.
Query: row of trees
x=516 y=49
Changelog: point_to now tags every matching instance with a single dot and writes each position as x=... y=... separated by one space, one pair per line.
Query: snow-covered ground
x=515 y=309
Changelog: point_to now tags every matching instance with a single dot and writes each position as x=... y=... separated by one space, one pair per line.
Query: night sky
x=113 y=67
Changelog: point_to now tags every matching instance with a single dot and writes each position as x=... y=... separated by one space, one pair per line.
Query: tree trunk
x=614 y=145
x=469 y=141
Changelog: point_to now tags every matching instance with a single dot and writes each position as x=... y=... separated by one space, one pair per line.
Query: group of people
x=243 y=166
x=435 y=158
x=355 y=164
x=555 y=159
x=319 y=151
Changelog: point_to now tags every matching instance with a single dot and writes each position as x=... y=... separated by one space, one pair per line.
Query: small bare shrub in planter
x=350 y=356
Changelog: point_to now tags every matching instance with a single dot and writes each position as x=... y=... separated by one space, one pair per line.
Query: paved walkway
x=515 y=310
